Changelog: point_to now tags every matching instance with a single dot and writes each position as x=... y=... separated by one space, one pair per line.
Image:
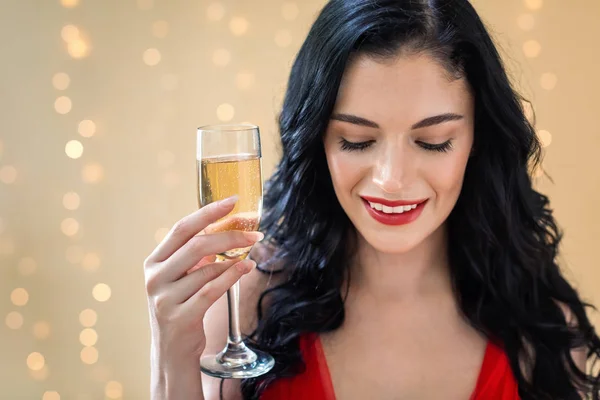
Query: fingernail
x=228 y=202
x=245 y=266
x=254 y=236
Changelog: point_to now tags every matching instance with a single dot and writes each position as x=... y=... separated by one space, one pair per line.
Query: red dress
x=495 y=381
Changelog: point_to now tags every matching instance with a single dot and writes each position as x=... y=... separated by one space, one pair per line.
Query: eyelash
x=362 y=146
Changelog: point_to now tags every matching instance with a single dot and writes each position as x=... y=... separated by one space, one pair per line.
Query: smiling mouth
x=398 y=212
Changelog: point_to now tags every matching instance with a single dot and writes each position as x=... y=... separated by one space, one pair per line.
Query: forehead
x=403 y=88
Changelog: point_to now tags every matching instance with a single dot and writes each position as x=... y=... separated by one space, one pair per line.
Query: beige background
x=76 y=224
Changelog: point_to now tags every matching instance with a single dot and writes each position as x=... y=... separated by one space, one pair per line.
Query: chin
x=392 y=244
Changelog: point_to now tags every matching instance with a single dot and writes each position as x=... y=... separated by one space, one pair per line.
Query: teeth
x=392 y=210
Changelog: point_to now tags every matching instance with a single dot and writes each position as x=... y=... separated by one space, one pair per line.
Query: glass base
x=237 y=361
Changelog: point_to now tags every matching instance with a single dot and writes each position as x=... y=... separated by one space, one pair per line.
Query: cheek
x=446 y=179
x=346 y=171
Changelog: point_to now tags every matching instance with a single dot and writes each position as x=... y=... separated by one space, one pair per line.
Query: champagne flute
x=229 y=163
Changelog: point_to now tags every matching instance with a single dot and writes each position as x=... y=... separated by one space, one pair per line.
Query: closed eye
x=355 y=146
x=441 y=147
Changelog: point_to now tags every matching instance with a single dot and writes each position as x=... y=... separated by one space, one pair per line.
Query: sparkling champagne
x=225 y=176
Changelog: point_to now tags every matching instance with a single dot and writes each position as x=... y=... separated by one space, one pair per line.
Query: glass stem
x=233 y=303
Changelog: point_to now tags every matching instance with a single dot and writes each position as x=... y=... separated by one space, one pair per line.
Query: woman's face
x=397 y=146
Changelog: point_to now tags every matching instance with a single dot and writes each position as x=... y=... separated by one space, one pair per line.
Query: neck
x=420 y=274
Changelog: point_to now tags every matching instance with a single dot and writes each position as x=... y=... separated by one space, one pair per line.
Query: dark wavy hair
x=503 y=239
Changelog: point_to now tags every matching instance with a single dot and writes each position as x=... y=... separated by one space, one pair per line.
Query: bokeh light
x=19 y=297
x=225 y=112
x=63 y=105
x=88 y=318
x=160 y=29
x=35 y=361
x=78 y=48
x=74 y=254
x=71 y=201
x=221 y=57
x=61 y=81
x=545 y=137
x=534 y=4
x=51 y=395
x=151 y=57
x=238 y=26
x=8 y=174
x=113 y=390
x=74 y=149
x=91 y=262
x=86 y=128
x=68 y=4
x=548 y=81
x=14 y=320
x=101 y=292
x=69 y=33
x=41 y=330
x=532 y=48
x=289 y=11
x=88 y=337
x=69 y=226
x=89 y=355
x=92 y=173
x=215 y=11
x=27 y=266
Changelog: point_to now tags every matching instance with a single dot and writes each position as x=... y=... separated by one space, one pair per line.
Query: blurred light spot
x=113 y=390
x=545 y=138
x=215 y=12
x=169 y=82
x=151 y=57
x=244 y=80
x=92 y=173
x=19 y=297
x=101 y=292
x=74 y=149
x=8 y=174
x=238 y=26
x=78 y=48
x=51 y=395
x=7 y=246
x=526 y=22
x=69 y=33
x=160 y=29
x=166 y=158
x=71 y=201
x=221 y=57
x=68 y=4
x=527 y=110
x=74 y=254
x=86 y=128
x=145 y=4
x=61 y=81
x=14 y=320
x=534 y=4
x=225 y=112
x=88 y=337
x=548 y=81
x=35 y=361
x=69 y=226
x=283 y=38
x=289 y=11
x=40 y=375
x=91 y=262
x=89 y=355
x=101 y=373
x=27 y=266
x=41 y=330
x=160 y=234
x=532 y=48
x=171 y=178
x=88 y=317
x=63 y=105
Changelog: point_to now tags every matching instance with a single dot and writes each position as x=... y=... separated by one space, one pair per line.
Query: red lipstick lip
x=390 y=203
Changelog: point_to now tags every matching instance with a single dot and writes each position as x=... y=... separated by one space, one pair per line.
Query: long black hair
x=503 y=238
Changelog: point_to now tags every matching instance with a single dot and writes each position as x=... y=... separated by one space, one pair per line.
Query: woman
x=407 y=255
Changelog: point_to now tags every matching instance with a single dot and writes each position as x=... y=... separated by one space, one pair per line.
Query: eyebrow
x=429 y=121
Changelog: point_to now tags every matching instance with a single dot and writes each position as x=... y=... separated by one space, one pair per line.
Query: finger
x=213 y=290
x=191 y=225
x=203 y=262
x=199 y=247
x=185 y=287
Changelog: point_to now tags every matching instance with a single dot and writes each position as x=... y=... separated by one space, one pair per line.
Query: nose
x=393 y=169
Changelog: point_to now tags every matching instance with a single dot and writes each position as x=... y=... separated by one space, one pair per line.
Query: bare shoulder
x=252 y=286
